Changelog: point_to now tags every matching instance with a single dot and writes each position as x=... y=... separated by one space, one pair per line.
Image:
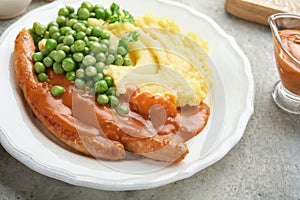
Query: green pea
x=102 y=99
x=95 y=47
x=105 y=35
x=63 y=12
x=72 y=48
x=42 y=77
x=93 y=38
x=79 y=83
x=48 y=62
x=47 y=35
x=39 y=28
x=61 y=39
x=109 y=59
x=37 y=57
x=84 y=22
x=103 y=48
x=53 y=29
x=89 y=60
x=92 y=91
x=91 y=71
x=101 y=86
x=73 y=16
x=79 y=45
x=86 y=51
x=122 y=51
x=68 y=64
x=88 y=31
x=83 y=13
x=78 y=56
x=112 y=50
x=58 y=56
x=45 y=52
x=100 y=13
x=71 y=75
x=71 y=32
x=97 y=6
x=64 y=30
x=100 y=57
x=105 y=41
x=56 y=35
x=71 y=22
x=80 y=35
x=30 y=30
x=52 y=23
x=92 y=15
x=122 y=109
x=57 y=91
x=98 y=77
x=96 y=31
x=57 y=68
x=80 y=73
x=108 y=80
x=51 y=44
x=127 y=61
x=119 y=60
x=70 y=9
x=86 y=39
x=88 y=43
x=65 y=48
x=39 y=67
x=58 y=47
x=90 y=83
x=111 y=91
x=61 y=21
x=87 y=5
x=100 y=66
x=79 y=27
x=36 y=38
x=113 y=101
x=69 y=40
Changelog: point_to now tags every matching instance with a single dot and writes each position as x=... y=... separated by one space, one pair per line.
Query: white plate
x=231 y=100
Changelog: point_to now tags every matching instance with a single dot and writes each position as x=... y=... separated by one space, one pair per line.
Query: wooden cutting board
x=259 y=10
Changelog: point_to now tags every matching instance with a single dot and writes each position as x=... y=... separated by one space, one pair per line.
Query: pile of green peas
x=70 y=46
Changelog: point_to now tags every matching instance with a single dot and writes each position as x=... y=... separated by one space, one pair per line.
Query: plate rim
x=74 y=179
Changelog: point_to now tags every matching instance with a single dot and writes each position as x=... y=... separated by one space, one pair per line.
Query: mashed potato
x=164 y=61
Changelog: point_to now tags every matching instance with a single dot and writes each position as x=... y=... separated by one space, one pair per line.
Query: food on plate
x=106 y=83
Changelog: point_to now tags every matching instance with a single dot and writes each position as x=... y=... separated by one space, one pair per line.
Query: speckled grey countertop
x=265 y=164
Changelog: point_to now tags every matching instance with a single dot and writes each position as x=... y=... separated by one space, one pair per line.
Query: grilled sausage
x=54 y=115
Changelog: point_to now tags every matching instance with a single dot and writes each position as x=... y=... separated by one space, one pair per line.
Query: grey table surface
x=265 y=164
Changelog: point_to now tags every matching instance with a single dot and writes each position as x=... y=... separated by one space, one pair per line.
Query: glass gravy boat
x=285 y=29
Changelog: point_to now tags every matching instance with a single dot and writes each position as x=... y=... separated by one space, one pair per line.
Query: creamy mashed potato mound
x=164 y=61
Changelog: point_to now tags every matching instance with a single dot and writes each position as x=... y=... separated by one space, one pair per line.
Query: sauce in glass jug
x=289 y=71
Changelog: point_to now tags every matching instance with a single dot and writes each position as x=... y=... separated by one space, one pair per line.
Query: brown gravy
x=149 y=115
x=289 y=70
